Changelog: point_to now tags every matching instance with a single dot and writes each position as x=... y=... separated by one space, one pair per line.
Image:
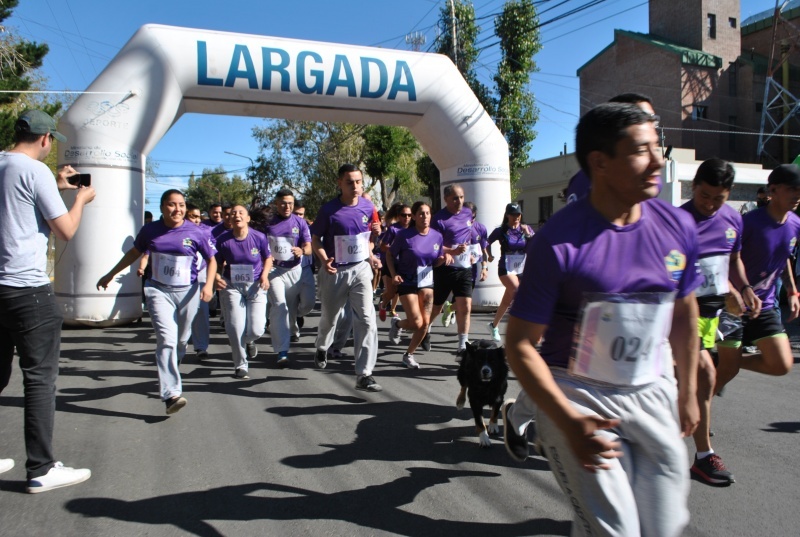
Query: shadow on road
x=379 y=507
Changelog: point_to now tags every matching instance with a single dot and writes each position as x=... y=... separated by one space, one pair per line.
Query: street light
x=252 y=169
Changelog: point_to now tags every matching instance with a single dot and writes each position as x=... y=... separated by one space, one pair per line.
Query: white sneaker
x=6 y=465
x=58 y=476
x=394 y=331
x=494 y=331
x=409 y=362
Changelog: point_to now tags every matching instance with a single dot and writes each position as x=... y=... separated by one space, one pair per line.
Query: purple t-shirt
x=388 y=237
x=719 y=236
x=295 y=229
x=580 y=252
x=185 y=240
x=218 y=230
x=766 y=245
x=512 y=241
x=412 y=249
x=251 y=250
x=337 y=219
x=455 y=228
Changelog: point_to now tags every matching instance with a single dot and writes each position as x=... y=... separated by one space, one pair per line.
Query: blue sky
x=84 y=35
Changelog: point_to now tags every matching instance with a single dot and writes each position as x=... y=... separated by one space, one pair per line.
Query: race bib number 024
x=622 y=336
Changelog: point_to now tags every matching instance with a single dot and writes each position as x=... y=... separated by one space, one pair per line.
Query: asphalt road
x=300 y=452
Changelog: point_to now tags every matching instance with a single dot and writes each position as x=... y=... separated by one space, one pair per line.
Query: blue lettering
x=383 y=79
x=319 y=76
x=340 y=64
x=280 y=68
x=398 y=86
x=240 y=52
x=202 y=67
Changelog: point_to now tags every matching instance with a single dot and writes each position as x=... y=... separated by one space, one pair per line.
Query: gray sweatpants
x=245 y=308
x=353 y=283
x=288 y=298
x=645 y=491
x=172 y=310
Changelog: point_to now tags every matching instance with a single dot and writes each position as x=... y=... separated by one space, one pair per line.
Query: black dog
x=483 y=375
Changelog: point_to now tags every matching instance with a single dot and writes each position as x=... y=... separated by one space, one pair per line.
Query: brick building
x=705 y=71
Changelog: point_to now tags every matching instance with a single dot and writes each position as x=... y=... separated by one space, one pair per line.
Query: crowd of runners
x=627 y=318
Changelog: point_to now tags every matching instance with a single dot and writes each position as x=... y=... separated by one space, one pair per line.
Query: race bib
x=172 y=270
x=424 y=277
x=715 y=275
x=464 y=260
x=281 y=248
x=242 y=273
x=201 y=268
x=351 y=248
x=477 y=253
x=622 y=337
x=515 y=263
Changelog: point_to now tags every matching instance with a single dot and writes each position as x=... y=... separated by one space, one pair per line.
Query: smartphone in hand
x=81 y=179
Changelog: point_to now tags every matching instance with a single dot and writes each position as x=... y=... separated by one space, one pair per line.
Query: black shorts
x=385 y=270
x=448 y=280
x=767 y=324
x=409 y=289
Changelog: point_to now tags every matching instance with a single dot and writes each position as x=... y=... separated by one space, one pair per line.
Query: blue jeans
x=31 y=322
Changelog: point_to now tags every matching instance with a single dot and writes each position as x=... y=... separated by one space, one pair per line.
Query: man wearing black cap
x=768 y=238
x=30 y=209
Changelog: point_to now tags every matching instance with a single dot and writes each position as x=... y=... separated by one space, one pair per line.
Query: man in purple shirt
x=719 y=229
x=614 y=278
x=289 y=241
x=341 y=237
x=454 y=222
x=770 y=234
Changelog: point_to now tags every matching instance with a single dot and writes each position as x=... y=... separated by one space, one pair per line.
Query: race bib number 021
x=172 y=270
x=622 y=336
x=351 y=248
x=715 y=275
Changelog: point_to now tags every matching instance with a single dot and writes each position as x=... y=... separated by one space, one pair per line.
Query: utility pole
x=416 y=40
x=251 y=170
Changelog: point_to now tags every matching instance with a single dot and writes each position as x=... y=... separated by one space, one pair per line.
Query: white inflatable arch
x=164 y=72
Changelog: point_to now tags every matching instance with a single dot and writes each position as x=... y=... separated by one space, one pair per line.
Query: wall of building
x=545 y=178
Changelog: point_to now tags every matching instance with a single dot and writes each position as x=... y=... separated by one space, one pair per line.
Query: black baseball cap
x=785 y=174
x=38 y=122
x=513 y=208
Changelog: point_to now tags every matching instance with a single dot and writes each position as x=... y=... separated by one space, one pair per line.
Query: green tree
x=428 y=175
x=465 y=53
x=518 y=29
x=305 y=157
x=214 y=186
x=384 y=149
x=18 y=61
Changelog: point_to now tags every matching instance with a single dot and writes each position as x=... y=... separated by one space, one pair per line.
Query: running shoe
x=252 y=350
x=409 y=362
x=201 y=354
x=366 y=383
x=394 y=331
x=283 y=360
x=241 y=373
x=447 y=310
x=393 y=313
x=426 y=342
x=494 y=331
x=58 y=476
x=321 y=359
x=460 y=354
x=295 y=339
x=712 y=470
x=382 y=312
x=175 y=404
x=335 y=354
x=6 y=465
x=516 y=445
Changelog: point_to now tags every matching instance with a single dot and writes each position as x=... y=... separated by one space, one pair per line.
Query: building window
x=699 y=111
x=712 y=26
x=732 y=133
x=732 y=22
x=545 y=207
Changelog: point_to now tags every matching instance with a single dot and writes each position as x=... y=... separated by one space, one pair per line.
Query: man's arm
x=738 y=277
x=535 y=377
x=685 y=349
x=65 y=226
